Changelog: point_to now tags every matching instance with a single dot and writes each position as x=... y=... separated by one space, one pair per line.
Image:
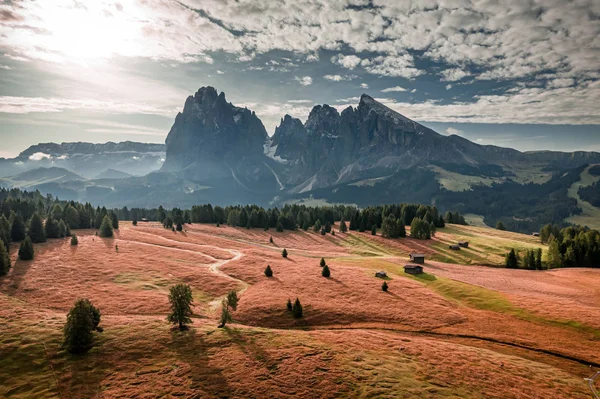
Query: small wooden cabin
x=143 y=220
x=454 y=247
x=535 y=234
x=381 y=274
x=413 y=269
x=417 y=258
x=464 y=244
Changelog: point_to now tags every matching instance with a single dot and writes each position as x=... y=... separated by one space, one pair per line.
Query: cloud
x=339 y=78
x=453 y=75
x=364 y=86
x=219 y=72
x=346 y=61
x=393 y=89
x=457 y=132
x=304 y=80
x=38 y=156
x=448 y=86
x=300 y=101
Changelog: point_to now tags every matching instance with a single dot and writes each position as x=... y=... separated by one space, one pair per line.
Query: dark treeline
x=31 y=214
x=571 y=246
x=591 y=194
x=292 y=217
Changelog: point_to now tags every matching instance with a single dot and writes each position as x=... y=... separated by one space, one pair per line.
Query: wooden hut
x=463 y=244
x=381 y=274
x=454 y=247
x=413 y=269
x=417 y=258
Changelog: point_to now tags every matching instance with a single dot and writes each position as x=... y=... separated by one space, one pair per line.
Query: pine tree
x=374 y=230
x=384 y=287
x=297 y=309
x=62 y=229
x=225 y=314
x=271 y=239
x=180 y=298
x=134 y=222
x=106 y=228
x=323 y=263
x=279 y=227
x=232 y=299
x=512 y=262
x=52 y=228
x=82 y=320
x=26 y=249
x=4 y=260
x=268 y=271
x=500 y=226
x=4 y=230
x=538 y=259
x=36 y=229
x=74 y=240
x=18 y=230
x=531 y=260
x=71 y=217
x=325 y=272
x=114 y=220
x=554 y=255
x=317 y=226
x=179 y=227
x=284 y=253
x=289 y=305
x=343 y=226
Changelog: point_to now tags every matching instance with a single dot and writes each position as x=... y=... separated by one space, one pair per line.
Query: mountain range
x=369 y=154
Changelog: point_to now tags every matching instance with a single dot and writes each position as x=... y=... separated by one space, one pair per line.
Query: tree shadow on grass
x=193 y=350
x=248 y=345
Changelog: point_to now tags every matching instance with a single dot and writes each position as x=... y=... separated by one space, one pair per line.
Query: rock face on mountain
x=219 y=144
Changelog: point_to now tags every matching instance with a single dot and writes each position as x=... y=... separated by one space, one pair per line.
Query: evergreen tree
x=284 y=253
x=225 y=314
x=168 y=223
x=271 y=239
x=106 y=228
x=325 y=272
x=82 y=320
x=4 y=230
x=323 y=263
x=384 y=287
x=374 y=230
x=134 y=222
x=18 y=230
x=4 y=260
x=500 y=225
x=52 y=228
x=289 y=305
x=114 y=220
x=179 y=227
x=279 y=227
x=297 y=309
x=26 y=251
x=36 y=229
x=180 y=298
x=554 y=255
x=512 y=262
x=71 y=217
x=317 y=226
x=62 y=229
x=531 y=260
x=232 y=299
x=538 y=259
x=74 y=240
x=343 y=227
x=268 y=271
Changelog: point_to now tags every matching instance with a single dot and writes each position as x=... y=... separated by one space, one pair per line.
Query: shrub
x=325 y=272
x=18 y=230
x=297 y=309
x=500 y=225
x=289 y=305
x=26 y=249
x=322 y=263
x=134 y=222
x=106 y=228
x=82 y=320
x=4 y=260
x=179 y=226
x=74 y=240
x=268 y=271
x=271 y=239
x=180 y=298
x=384 y=287
x=284 y=253
x=230 y=302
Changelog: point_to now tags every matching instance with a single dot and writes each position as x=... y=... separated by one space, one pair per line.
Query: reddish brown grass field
x=457 y=332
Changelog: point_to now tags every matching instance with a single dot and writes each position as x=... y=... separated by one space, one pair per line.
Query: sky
x=516 y=73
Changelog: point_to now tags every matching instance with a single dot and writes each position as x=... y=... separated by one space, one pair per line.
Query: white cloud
x=219 y=72
x=393 y=89
x=454 y=74
x=304 y=80
x=454 y=131
x=339 y=78
x=448 y=86
x=364 y=86
x=346 y=61
x=300 y=101
x=38 y=156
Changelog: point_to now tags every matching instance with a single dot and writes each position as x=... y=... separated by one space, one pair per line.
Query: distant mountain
x=88 y=159
x=113 y=174
x=369 y=154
